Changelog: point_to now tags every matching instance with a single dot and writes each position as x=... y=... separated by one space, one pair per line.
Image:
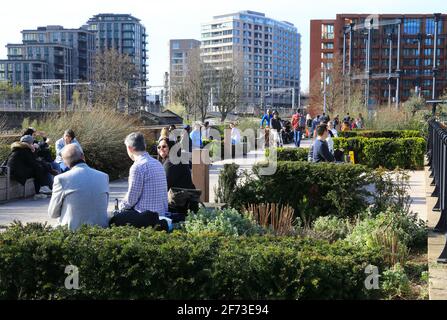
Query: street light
x=390 y=39
x=418 y=41
x=435 y=47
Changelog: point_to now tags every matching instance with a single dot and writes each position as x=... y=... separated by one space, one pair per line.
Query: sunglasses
x=162 y=147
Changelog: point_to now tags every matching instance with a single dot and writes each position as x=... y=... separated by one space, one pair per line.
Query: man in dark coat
x=23 y=165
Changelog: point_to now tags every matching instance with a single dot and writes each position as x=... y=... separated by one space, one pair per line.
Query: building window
x=30 y=37
x=175 y=45
x=327 y=45
x=327 y=55
x=430 y=26
x=412 y=26
x=327 y=31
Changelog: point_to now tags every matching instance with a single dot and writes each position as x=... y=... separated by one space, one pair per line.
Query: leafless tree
x=194 y=90
x=341 y=95
x=229 y=80
x=115 y=76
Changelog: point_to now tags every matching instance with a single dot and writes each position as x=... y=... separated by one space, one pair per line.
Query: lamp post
x=398 y=65
x=324 y=88
x=351 y=33
x=418 y=81
x=390 y=40
x=435 y=57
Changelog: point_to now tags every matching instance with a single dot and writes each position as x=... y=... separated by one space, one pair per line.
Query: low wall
x=13 y=119
x=16 y=190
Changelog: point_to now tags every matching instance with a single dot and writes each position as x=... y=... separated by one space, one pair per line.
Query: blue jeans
x=297 y=137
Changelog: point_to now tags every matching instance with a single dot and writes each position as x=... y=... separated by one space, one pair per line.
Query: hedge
x=405 y=153
x=290 y=154
x=126 y=263
x=313 y=189
x=381 y=134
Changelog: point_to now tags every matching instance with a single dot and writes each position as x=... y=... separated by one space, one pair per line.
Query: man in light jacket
x=81 y=195
x=68 y=138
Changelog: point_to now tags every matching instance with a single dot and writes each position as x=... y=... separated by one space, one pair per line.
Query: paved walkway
x=29 y=210
x=436 y=243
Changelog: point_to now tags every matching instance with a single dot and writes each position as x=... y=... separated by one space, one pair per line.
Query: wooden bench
x=11 y=189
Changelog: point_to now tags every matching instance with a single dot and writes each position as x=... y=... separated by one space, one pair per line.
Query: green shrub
x=394 y=134
x=101 y=134
x=410 y=230
x=129 y=263
x=289 y=154
x=311 y=189
x=227 y=183
x=395 y=283
x=332 y=228
x=227 y=222
x=405 y=153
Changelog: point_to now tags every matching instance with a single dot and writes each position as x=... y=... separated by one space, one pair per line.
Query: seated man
x=81 y=195
x=68 y=138
x=23 y=166
x=320 y=149
x=148 y=189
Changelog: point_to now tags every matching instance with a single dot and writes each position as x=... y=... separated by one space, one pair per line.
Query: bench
x=11 y=189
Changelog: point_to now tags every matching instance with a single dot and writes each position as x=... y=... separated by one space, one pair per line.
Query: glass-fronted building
x=269 y=51
x=127 y=35
x=50 y=53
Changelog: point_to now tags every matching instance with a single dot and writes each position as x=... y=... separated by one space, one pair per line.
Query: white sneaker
x=40 y=196
x=45 y=189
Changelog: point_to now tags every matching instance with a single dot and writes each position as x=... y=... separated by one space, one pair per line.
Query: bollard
x=201 y=172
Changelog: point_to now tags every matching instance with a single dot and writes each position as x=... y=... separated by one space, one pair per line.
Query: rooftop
x=113 y=17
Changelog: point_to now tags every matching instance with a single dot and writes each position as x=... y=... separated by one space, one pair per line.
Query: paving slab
x=436 y=243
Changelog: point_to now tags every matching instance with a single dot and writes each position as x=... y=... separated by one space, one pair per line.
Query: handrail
x=437 y=155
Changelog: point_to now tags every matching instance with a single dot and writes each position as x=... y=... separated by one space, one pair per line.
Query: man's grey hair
x=136 y=140
x=71 y=154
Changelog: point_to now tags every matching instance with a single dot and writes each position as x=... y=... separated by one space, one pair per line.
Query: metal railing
x=437 y=156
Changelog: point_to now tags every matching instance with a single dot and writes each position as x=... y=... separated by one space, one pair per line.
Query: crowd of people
x=321 y=129
x=31 y=157
x=80 y=194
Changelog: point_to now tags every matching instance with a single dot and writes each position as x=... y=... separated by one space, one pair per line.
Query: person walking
x=277 y=127
x=296 y=128
x=266 y=124
x=308 y=125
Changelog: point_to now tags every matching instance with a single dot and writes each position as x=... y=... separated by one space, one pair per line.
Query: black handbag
x=181 y=200
x=138 y=220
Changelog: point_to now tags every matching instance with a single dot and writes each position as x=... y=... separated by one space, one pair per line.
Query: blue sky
x=169 y=19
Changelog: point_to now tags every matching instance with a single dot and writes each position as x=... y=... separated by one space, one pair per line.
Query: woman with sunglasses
x=177 y=175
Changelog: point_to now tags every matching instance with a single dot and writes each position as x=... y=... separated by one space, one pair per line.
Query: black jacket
x=178 y=175
x=276 y=124
x=321 y=153
x=22 y=163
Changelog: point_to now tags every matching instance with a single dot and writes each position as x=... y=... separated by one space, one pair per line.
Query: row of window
x=414 y=26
